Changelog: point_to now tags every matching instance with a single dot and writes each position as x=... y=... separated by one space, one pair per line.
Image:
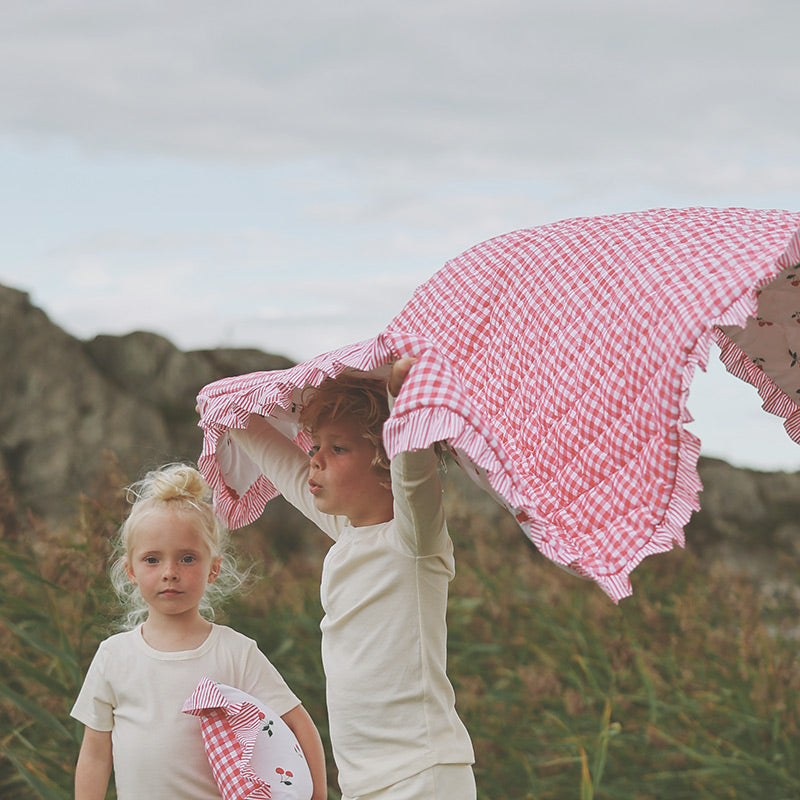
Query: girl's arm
x=94 y=765
x=304 y=729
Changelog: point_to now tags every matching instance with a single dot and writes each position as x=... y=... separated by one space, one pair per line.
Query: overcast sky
x=282 y=175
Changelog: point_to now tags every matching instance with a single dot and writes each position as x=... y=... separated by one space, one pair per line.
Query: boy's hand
x=400 y=370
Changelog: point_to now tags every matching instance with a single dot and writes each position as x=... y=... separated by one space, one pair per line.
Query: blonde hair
x=353 y=397
x=181 y=488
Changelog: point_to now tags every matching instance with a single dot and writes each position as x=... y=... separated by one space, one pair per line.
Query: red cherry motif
x=285 y=775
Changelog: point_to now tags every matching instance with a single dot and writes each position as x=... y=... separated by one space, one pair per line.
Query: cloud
x=283 y=175
x=508 y=80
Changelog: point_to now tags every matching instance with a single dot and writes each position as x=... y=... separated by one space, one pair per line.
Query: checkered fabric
x=556 y=362
x=229 y=733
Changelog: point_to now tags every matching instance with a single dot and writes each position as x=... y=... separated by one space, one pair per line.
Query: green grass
x=686 y=690
x=678 y=692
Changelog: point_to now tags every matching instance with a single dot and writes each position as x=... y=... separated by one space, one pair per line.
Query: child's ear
x=214 y=571
x=129 y=572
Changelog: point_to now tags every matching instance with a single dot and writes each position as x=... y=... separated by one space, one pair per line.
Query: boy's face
x=341 y=478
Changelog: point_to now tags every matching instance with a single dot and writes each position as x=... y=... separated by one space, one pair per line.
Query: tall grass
x=683 y=691
x=680 y=692
x=55 y=604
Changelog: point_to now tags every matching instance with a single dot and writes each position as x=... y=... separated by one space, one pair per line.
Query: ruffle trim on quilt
x=775 y=401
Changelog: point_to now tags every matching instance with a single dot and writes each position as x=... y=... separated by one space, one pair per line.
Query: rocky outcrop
x=65 y=404
x=749 y=521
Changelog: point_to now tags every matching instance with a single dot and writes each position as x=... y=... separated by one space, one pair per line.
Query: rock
x=746 y=511
x=159 y=375
x=58 y=411
x=64 y=404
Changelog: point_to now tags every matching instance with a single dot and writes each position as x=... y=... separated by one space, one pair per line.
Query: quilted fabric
x=252 y=752
x=229 y=735
x=556 y=362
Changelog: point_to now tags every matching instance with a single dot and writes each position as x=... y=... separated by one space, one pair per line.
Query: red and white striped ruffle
x=229 y=733
x=556 y=362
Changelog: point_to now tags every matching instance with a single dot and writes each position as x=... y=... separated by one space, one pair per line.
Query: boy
x=394 y=729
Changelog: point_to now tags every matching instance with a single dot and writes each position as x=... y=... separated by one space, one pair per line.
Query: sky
x=283 y=175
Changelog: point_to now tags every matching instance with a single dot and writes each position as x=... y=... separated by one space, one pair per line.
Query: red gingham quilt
x=556 y=362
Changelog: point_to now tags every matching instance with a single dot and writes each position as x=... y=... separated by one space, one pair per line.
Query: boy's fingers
x=400 y=370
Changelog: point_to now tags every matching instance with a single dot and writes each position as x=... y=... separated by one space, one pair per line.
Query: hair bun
x=173 y=482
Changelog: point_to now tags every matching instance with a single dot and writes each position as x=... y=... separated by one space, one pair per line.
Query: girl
x=393 y=723
x=172 y=566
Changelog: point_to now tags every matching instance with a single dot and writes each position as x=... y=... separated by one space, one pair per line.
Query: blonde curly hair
x=179 y=487
x=354 y=397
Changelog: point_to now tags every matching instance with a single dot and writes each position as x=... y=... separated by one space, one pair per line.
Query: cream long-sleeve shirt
x=384 y=587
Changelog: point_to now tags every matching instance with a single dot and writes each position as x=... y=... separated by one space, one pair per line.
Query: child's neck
x=171 y=634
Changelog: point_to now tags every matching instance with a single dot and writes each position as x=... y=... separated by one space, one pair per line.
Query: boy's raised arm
x=415 y=484
x=285 y=464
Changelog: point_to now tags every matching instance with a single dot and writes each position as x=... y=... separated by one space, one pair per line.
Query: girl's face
x=341 y=476
x=170 y=563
